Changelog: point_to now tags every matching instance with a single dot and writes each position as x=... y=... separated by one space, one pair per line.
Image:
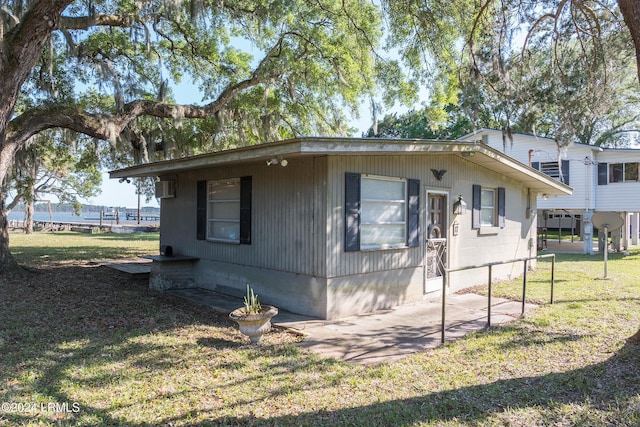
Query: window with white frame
x=488 y=207
x=623 y=172
x=223 y=210
x=383 y=212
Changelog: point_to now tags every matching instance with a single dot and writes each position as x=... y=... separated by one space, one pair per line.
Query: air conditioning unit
x=165 y=189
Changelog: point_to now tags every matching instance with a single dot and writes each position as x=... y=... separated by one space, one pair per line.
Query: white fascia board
x=292 y=147
x=478 y=153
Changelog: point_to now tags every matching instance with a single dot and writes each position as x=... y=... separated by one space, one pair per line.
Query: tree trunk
x=7 y=151
x=28 y=211
x=630 y=10
x=7 y=261
x=635 y=338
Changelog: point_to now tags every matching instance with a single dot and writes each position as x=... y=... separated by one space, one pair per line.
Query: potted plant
x=254 y=319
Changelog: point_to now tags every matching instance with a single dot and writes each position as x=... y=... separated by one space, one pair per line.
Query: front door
x=436 y=241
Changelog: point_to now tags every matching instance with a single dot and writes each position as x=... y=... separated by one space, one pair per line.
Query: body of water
x=89 y=218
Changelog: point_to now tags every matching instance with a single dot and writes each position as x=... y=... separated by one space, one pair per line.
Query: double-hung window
x=224 y=210
x=384 y=213
x=488 y=207
x=381 y=212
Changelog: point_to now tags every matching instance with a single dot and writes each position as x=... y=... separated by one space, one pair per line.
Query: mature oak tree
x=540 y=60
x=266 y=70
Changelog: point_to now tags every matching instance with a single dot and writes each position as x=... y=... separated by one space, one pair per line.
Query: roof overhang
x=474 y=152
x=472 y=135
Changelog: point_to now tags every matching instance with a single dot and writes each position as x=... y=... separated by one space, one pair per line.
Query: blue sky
x=119 y=194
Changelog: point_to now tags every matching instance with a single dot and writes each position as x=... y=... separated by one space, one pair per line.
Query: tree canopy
x=274 y=69
x=105 y=68
x=559 y=69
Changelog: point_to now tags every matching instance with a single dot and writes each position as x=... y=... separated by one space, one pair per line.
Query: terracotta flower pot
x=254 y=325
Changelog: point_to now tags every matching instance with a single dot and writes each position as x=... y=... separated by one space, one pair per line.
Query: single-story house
x=332 y=227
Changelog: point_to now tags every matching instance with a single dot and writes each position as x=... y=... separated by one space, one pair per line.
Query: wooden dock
x=133 y=216
x=82 y=227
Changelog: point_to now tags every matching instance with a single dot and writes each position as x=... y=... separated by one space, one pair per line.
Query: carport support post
x=445 y=278
x=524 y=285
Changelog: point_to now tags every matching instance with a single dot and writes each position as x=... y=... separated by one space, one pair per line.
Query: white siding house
x=603 y=180
x=332 y=227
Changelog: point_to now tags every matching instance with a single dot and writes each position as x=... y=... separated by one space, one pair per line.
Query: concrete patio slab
x=382 y=336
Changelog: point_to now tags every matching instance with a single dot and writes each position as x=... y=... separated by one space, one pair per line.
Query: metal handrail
x=445 y=280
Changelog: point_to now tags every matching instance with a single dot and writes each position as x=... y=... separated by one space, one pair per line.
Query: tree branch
x=631 y=13
x=109 y=126
x=86 y=22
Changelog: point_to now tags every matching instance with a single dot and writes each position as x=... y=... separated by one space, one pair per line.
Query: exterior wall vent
x=165 y=189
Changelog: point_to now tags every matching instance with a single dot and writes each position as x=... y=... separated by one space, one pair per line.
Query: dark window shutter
x=603 y=175
x=201 y=210
x=501 y=207
x=352 y=212
x=535 y=165
x=475 y=213
x=245 y=210
x=565 y=171
x=413 y=229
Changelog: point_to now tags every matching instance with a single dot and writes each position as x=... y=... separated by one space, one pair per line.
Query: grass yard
x=66 y=247
x=84 y=345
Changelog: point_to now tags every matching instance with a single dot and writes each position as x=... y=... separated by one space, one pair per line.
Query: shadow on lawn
x=77 y=253
x=54 y=328
x=597 y=385
x=57 y=322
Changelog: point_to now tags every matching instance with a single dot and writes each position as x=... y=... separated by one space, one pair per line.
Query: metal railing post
x=444 y=293
x=489 y=299
x=553 y=271
x=445 y=280
x=524 y=286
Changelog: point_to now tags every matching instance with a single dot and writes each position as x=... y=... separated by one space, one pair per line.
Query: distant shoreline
x=88 y=218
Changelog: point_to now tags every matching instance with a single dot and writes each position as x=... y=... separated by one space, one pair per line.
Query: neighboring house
x=603 y=180
x=332 y=227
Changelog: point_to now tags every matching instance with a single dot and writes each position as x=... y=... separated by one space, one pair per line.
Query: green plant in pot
x=254 y=319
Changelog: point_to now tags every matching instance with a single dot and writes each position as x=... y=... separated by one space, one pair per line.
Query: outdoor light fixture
x=274 y=161
x=459 y=207
x=468 y=153
x=127 y=180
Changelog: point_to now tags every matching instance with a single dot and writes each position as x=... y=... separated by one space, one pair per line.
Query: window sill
x=383 y=248
x=487 y=230
x=230 y=242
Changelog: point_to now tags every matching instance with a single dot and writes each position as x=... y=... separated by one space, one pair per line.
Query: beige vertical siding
x=341 y=263
x=298 y=233
x=288 y=217
x=469 y=247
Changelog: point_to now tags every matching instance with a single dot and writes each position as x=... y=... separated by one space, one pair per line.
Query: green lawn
x=71 y=246
x=117 y=353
